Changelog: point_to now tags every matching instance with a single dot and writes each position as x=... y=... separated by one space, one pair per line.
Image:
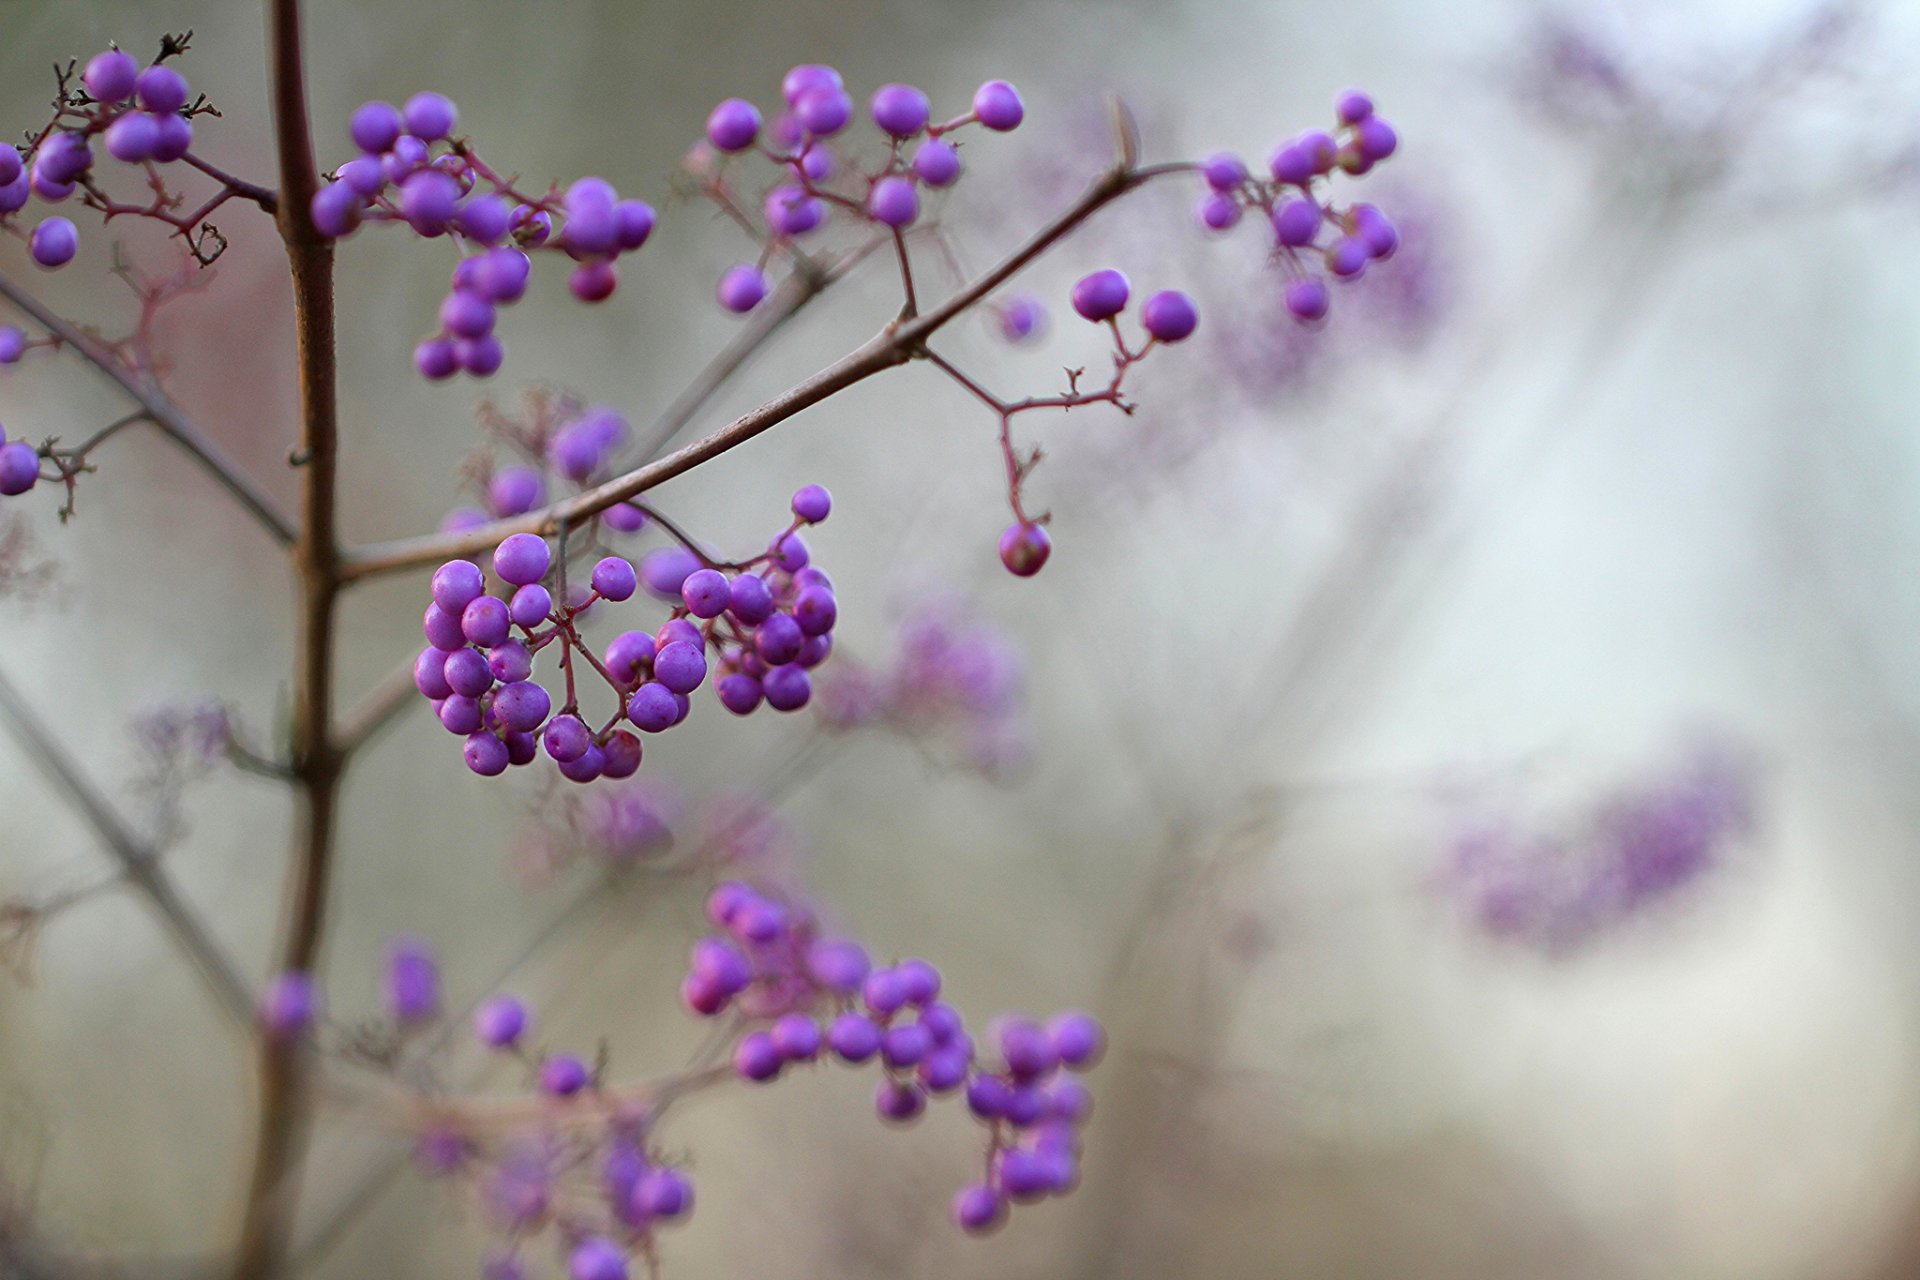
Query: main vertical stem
x=317 y=761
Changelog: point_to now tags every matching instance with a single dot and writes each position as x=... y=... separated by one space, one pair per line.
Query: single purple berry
x=663 y=1194
x=632 y=224
x=978 y=1209
x=778 y=639
x=884 y=992
x=1307 y=298
x=486 y=622
x=707 y=594
x=1348 y=257
x=757 y=1057
x=1296 y=222
x=988 y=1097
x=435 y=359
x=1224 y=172
x=430 y=116
x=522 y=558
x=1078 y=1039
x=176 y=136
x=336 y=209
x=1024 y=548
x=898 y=1101
x=905 y=1044
x=442 y=629
x=787 y=688
x=530 y=605
x=652 y=708
x=792 y=212
x=593 y=281
x=1218 y=212
x=936 y=163
x=812 y=503
x=740 y=694
x=680 y=666
x=823 y=112
x=510 y=661
x=460 y=715
x=160 y=90
x=998 y=106
x=1376 y=138
x=375 y=127
x=110 y=76
x=457 y=584
x=838 y=964
x=1101 y=295
x=54 y=242
x=900 y=109
x=620 y=755
x=742 y=288
x=483 y=219
x=429 y=669
x=566 y=738
x=733 y=125
x=587 y=766
x=797 y=1037
x=894 y=202
x=563 y=1075
x=750 y=599
x=614 y=578
x=13 y=340
x=522 y=706
x=853 y=1038
x=134 y=137
x=1170 y=316
x=428 y=201
x=806 y=78
x=19 y=468
x=467 y=673
x=920 y=981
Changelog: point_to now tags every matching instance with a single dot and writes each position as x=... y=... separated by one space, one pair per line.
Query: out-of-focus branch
x=161 y=411
x=139 y=862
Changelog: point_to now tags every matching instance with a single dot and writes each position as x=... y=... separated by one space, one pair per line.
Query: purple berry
x=1024 y=548
x=757 y=1057
x=593 y=281
x=1224 y=172
x=652 y=708
x=936 y=163
x=1102 y=295
x=664 y=1194
x=1348 y=257
x=1307 y=298
x=485 y=622
x=680 y=666
x=522 y=558
x=134 y=137
x=894 y=202
x=900 y=109
x=998 y=106
x=1296 y=222
x=742 y=288
x=792 y=212
x=19 y=468
x=467 y=673
x=500 y=1022
x=413 y=975
x=823 y=112
x=750 y=599
x=522 y=706
x=806 y=78
x=978 y=1209
x=375 y=127
x=707 y=593
x=853 y=1038
x=530 y=605
x=812 y=503
x=615 y=579
x=899 y=1102
x=429 y=669
x=797 y=1037
x=336 y=209
x=510 y=661
x=740 y=694
x=429 y=116
x=110 y=76
x=778 y=640
x=788 y=688
x=1218 y=212
x=620 y=755
x=596 y=1259
x=733 y=125
x=1376 y=139
x=160 y=90
x=54 y=242
x=566 y=738
x=1078 y=1039
x=1170 y=316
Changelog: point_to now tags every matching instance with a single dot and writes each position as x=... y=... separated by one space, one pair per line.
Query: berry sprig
x=141 y=117
x=413 y=170
x=811 y=996
x=1304 y=222
x=816 y=180
x=1168 y=317
x=768 y=620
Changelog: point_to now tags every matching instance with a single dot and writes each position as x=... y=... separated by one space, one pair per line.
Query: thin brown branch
x=164 y=413
x=896 y=345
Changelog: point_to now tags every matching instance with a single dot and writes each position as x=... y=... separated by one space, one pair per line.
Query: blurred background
x=1467 y=755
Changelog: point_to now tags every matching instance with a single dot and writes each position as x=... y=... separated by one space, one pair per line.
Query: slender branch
x=139 y=861
x=317 y=762
x=262 y=196
x=163 y=412
x=896 y=345
x=806 y=283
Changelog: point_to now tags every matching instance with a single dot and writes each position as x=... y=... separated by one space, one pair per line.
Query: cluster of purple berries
x=815 y=179
x=823 y=997
x=560 y=443
x=140 y=116
x=1302 y=221
x=770 y=621
x=398 y=177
